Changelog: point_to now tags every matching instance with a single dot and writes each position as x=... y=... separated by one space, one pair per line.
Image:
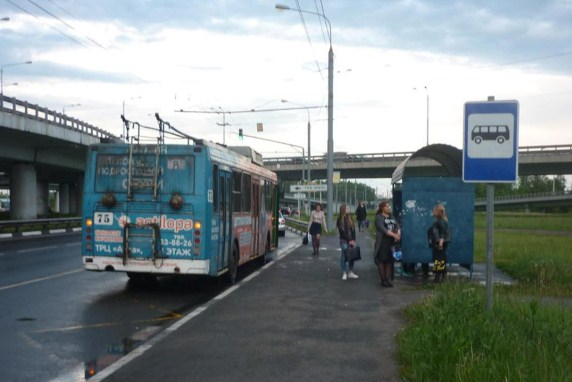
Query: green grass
x=532 y=221
x=539 y=260
x=452 y=337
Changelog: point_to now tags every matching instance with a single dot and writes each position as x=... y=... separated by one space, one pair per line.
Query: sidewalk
x=294 y=321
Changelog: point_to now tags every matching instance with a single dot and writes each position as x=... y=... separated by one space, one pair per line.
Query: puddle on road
x=118 y=350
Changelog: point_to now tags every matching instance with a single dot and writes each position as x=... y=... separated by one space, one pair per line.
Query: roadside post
x=490 y=155
x=307 y=188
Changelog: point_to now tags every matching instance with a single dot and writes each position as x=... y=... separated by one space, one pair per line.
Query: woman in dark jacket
x=387 y=234
x=440 y=231
x=361 y=215
x=347 y=231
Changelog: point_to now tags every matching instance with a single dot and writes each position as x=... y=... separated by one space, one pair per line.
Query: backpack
x=448 y=235
x=433 y=234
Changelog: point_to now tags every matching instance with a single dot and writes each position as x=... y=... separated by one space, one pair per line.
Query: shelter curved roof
x=450 y=158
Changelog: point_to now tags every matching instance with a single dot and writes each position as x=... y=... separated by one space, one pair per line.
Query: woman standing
x=316 y=223
x=440 y=230
x=387 y=234
x=361 y=215
x=347 y=232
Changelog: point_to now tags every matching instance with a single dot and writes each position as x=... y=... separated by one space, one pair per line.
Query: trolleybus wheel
x=233 y=265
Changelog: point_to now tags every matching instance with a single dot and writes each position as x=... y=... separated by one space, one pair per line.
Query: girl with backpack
x=439 y=242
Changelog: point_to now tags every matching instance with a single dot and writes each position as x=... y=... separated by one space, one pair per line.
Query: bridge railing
x=532 y=150
x=25 y=109
x=19 y=227
x=345 y=157
x=516 y=197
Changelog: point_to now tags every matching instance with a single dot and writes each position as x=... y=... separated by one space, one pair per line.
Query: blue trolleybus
x=191 y=209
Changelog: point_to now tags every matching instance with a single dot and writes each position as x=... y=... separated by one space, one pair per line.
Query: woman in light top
x=316 y=223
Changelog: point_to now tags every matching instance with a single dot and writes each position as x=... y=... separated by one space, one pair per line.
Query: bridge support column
x=75 y=196
x=42 y=198
x=23 y=192
x=64 y=200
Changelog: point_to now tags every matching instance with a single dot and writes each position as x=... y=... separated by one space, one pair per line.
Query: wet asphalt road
x=56 y=318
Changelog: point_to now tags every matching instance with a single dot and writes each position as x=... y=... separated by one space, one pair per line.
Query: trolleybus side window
x=246 y=193
x=237 y=191
x=215 y=188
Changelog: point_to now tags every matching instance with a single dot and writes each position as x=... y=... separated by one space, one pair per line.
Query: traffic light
x=240 y=136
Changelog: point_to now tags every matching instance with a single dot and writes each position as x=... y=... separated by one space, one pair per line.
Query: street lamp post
x=2 y=73
x=330 y=168
x=308 y=163
x=70 y=105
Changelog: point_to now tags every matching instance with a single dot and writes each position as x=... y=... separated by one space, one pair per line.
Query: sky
x=192 y=60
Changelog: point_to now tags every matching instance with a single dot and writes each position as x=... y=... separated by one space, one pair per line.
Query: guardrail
x=524 y=196
x=18 y=228
x=25 y=109
x=299 y=225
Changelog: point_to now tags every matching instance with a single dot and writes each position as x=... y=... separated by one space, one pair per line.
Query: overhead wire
x=321 y=21
x=308 y=37
x=68 y=36
x=51 y=26
x=65 y=23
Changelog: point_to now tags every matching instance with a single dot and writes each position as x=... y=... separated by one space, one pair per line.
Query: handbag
x=353 y=253
x=305 y=240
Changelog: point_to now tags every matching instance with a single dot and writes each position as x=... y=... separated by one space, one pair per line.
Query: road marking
x=36 y=249
x=176 y=325
x=72 y=244
x=40 y=279
x=170 y=316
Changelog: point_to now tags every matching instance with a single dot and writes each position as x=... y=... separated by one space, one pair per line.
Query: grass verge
x=451 y=337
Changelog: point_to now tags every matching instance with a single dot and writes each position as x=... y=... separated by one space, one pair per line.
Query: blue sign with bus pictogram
x=490 y=142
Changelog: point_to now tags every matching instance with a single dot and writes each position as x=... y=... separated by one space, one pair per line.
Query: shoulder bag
x=353 y=253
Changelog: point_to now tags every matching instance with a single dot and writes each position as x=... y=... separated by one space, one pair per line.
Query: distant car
x=281 y=225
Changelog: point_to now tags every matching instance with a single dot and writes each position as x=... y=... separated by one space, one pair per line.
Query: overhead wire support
x=130 y=125
x=178 y=132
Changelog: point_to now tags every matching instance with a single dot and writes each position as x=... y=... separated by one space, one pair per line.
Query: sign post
x=490 y=155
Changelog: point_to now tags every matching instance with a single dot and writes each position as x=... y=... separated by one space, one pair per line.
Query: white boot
x=344 y=276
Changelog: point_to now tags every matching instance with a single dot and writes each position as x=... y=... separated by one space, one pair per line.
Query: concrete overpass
x=533 y=160
x=39 y=147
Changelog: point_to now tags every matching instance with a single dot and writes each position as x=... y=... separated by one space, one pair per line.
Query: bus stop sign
x=490 y=142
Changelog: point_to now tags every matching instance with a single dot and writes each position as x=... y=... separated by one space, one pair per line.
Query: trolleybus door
x=225 y=217
x=255 y=218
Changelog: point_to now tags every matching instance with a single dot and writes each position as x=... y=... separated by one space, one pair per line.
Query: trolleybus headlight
x=88 y=223
x=176 y=202
x=197 y=225
x=109 y=200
